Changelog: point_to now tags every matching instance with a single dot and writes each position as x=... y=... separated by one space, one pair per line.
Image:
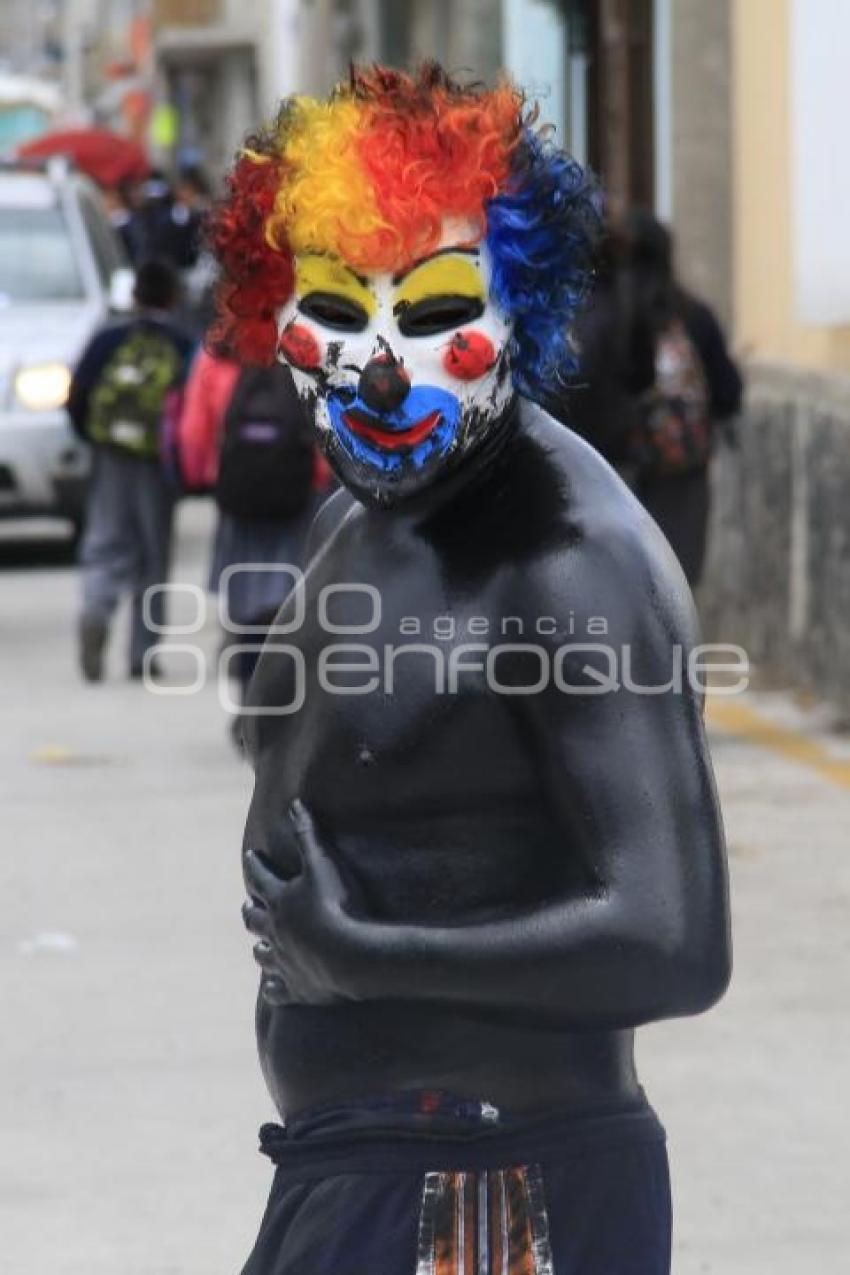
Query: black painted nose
x=384 y=384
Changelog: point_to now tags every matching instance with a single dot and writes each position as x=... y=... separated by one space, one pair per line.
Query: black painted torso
x=442 y=810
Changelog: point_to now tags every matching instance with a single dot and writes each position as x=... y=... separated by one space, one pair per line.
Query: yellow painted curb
x=737 y=719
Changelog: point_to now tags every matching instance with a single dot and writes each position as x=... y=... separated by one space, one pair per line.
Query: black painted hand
x=301 y=922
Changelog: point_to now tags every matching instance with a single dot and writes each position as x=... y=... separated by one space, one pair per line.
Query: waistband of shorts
x=549 y=1138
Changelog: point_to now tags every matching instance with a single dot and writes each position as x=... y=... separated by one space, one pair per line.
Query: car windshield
x=36 y=257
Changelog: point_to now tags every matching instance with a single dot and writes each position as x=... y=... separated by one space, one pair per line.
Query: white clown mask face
x=402 y=374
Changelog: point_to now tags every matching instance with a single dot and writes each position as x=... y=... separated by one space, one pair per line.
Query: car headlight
x=42 y=386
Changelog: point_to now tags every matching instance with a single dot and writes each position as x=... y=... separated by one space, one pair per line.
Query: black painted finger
x=304 y=833
x=274 y=990
x=264 y=955
x=283 y=848
x=261 y=881
x=317 y=862
x=256 y=918
x=300 y=817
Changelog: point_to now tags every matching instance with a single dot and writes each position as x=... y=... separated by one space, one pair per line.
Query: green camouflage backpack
x=126 y=405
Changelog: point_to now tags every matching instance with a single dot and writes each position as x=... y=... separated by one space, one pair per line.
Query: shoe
x=93 y=635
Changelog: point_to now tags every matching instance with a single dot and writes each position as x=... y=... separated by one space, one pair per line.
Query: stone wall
x=778 y=573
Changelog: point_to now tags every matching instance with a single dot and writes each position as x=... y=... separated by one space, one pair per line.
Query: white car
x=62 y=271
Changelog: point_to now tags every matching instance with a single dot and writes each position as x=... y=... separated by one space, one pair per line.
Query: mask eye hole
x=438 y=314
x=334 y=311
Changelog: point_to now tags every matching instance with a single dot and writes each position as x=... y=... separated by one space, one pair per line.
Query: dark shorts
x=428 y=1185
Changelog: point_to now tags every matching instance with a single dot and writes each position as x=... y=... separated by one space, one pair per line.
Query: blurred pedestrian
x=656 y=379
x=116 y=402
x=154 y=200
x=170 y=216
x=188 y=209
x=243 y=433
x=122 y=208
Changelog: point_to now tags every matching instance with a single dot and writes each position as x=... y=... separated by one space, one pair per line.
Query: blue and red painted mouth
x=370 y=427
x=412 y=436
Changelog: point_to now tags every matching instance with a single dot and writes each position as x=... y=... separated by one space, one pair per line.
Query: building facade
x=638 y=89
x=779 y=567
x=792 y=251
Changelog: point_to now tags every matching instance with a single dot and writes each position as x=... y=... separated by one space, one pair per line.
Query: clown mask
x=403 y=373
x=415 y=251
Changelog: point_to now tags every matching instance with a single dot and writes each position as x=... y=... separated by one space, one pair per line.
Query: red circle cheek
x=299 y=347
x=469 y=356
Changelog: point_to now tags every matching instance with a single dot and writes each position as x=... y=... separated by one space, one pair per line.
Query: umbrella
x=106 y=157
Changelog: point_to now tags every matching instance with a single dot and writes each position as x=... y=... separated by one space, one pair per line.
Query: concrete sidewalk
x=131 y=1093
x=754 y=1094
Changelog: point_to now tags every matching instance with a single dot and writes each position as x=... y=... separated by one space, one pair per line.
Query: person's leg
x=680 y=507
x=610 y=1211
x=243 y=668
x=344 y=1224
x=247 y=661
x=153 y=512
x=107 y=557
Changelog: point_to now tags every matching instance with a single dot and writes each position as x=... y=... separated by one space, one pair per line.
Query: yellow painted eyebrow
x=446 y=275
x=317 y=273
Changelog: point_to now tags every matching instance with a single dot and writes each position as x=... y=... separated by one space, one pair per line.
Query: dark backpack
x=266 y=463
x=126 y=404
x=673 y=433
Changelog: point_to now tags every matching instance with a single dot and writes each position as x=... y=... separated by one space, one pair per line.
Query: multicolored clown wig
x=416 y=252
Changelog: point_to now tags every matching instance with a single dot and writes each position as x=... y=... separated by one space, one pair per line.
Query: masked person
x=479 y=852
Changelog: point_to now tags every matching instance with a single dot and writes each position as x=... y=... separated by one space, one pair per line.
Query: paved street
x=130 y=1093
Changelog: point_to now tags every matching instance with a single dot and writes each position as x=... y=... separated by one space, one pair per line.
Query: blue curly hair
x=542 y=232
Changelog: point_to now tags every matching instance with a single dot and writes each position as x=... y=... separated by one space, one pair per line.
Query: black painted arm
x=629 y=779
